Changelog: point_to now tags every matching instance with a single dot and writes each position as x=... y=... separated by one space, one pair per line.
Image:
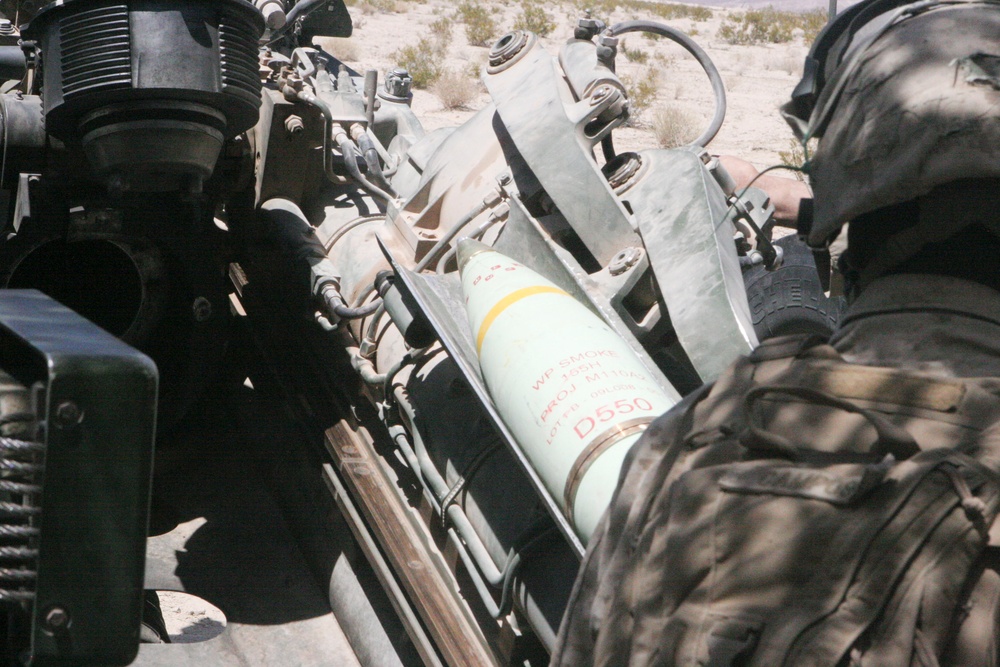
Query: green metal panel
x=96 y=484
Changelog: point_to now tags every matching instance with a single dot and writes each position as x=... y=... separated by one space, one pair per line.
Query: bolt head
x=56 y=618
x=68 y=414
x=202 y=309
x=294 y=124
x=624 y=260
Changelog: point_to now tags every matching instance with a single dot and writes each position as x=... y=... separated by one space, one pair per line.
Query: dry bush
x=533 y=17
x=739 y=66
x=811 y=23
x=455 y=89
x=795 y=156
x=422 y=60
x=788 y=59
x=641 y=92
x=792 y=62
x=441 y=28
x=480 y=28
x=600 y=8
x=474 y=69
x=757 y=26
x=382 y=6
x=663 y=10
x=634 y=55
x=665 y=59
x=674 y=127
x=768 y=25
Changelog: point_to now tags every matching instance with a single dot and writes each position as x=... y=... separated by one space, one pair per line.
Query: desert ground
x=668 y=82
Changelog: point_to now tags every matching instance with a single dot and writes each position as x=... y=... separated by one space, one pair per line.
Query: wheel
x=790 y=299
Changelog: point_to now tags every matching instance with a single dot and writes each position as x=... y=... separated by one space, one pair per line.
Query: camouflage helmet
x=904 y=98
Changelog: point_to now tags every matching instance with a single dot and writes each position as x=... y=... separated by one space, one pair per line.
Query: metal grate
x=238 y=52
x=95 y=47
x=20 y=466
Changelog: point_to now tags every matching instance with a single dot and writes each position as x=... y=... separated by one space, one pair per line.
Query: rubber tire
x=790 y=299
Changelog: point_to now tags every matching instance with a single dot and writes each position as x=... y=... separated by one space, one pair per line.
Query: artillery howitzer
x=279 y=234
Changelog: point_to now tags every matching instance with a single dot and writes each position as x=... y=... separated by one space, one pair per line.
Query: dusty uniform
x=933 y=326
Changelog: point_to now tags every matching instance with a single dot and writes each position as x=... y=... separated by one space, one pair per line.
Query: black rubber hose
x=718 y=87
x=334 y=302
x=349 y=149
x=300 y=240
x=371 y=159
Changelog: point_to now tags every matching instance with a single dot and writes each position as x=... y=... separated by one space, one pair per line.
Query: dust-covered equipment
x=356 y=268
x=276 y=229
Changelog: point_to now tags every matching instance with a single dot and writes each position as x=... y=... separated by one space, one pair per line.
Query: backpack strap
x=718 y=416
x=892 y=439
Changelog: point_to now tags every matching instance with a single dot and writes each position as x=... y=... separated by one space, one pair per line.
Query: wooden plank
x=456 y=635
x=384 y=573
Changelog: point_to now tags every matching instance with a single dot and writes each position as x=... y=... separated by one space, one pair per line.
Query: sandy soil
x=758 y=78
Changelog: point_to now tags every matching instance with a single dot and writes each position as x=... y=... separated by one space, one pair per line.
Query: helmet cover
x=917 y=108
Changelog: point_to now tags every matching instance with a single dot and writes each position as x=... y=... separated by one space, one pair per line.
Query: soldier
x=832 y=504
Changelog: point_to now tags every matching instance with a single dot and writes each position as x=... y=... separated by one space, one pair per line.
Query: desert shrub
x=474 y=70
x=674 y=127
x=701 y=13
x=758 y=26
x=455 y=89
x=441 y=28
x=384 y=6
x=422 y=60
x=533 y=17
x=600 y=8
x=771 y=26
x=795 y=156
x=663 y=10
x=480 y=28
x=641 y=92
x=811 y=23
x=634 y=55
x=790 y=61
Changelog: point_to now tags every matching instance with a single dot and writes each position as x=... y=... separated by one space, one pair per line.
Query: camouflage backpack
x=802 y=511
